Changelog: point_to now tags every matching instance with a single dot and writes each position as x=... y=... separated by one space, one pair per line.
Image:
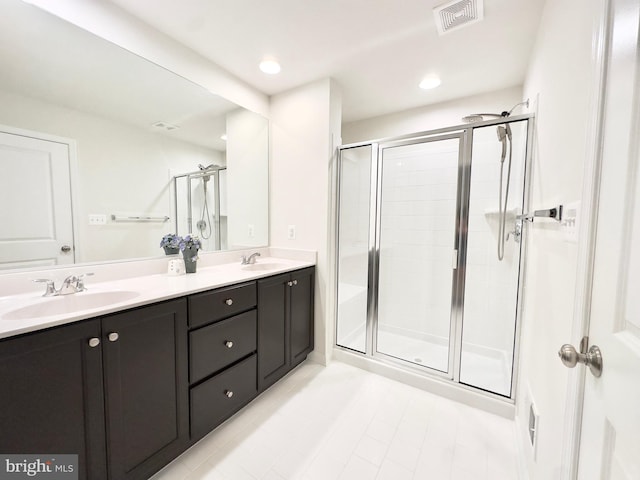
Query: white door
x=36 y=227
x=610 y=437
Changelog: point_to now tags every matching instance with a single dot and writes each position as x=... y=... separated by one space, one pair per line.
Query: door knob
x=65 y=248
x=593 y=358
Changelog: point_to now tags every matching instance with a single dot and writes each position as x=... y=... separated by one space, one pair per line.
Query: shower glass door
x=419 y=218
x=420 y=283
x=354 y=225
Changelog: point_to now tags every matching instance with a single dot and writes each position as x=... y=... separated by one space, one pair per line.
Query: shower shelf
x=138 y=218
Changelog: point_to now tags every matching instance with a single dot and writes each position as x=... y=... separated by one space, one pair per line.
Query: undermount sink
x=68 y=304
x=259 y=267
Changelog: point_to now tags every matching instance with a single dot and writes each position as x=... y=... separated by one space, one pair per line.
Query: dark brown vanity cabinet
x=285 y=323
x=51 y=397
x=128 y=392
x=112 y=390
x=222 y=354
x=146 y=387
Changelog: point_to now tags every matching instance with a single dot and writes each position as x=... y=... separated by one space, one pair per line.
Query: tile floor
x=340 y=422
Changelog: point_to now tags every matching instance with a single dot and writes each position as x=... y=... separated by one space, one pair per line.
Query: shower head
x=203 y=168
x=479 y=117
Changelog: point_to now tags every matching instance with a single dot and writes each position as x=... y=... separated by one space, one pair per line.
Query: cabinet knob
x=229 y=343
x=295 y=282
x=229 y=301
x=228 y=393
x=113 y=336
x=290 y=284
x=94 y=342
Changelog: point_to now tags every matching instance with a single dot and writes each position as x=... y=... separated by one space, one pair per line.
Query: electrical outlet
x=250 y=231
x=97 y=219
x=291 y=232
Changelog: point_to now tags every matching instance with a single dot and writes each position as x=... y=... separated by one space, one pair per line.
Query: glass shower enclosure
x=419 y=280
x=200 y=206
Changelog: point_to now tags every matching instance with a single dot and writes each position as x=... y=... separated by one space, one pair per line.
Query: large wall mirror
x=103 y=152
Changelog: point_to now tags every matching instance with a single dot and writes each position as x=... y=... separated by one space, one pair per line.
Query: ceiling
x=377 y=50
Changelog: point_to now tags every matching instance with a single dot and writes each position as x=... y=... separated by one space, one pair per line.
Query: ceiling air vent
x=459 y=13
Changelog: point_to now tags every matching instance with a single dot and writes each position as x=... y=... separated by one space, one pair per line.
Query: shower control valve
x=517 y=232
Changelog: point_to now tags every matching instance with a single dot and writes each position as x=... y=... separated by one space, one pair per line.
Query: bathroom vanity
x=129 y=390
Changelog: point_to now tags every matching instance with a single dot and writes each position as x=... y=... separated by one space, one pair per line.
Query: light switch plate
x=291 y=232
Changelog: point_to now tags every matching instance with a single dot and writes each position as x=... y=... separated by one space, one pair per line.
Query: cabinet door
x=146 y=386
x=273 y=330
x=301 y=315
x=51 y=399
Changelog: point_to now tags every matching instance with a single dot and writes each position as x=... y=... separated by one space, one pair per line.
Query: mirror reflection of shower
x=200 y=204
x=505 y=138
x=204 y=224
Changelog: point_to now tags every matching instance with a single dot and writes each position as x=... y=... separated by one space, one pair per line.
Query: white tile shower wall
x=417 y=234
x=491 y=285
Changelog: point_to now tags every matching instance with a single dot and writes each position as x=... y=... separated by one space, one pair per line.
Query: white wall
x=560 y=80
x=303 y=123
x=439 y=115
x=247 y=168
x=121 y=169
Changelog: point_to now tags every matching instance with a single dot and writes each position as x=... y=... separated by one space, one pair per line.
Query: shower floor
x=489 y=370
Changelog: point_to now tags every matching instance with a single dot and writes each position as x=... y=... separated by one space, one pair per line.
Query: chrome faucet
x=71 y=284
x=250 y=259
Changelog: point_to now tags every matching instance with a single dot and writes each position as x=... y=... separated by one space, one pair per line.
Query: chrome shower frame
x=465 y=133
x=212 y=172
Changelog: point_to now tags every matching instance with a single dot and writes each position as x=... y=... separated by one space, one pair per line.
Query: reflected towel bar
x=138 y=218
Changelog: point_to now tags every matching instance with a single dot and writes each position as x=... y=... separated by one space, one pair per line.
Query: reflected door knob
x=65 y=248
x=570 y=357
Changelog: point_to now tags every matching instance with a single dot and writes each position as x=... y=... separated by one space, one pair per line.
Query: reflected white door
x=610 y=438
x=36 y=227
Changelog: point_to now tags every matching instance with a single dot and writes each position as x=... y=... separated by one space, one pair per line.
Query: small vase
x=190 y=256
x=171 y=250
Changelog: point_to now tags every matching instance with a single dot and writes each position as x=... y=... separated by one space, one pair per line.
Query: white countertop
x=147 y=289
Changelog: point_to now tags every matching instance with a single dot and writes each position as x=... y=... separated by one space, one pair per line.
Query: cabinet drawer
x=215 y=346
x=218 y=398
x=208 y=307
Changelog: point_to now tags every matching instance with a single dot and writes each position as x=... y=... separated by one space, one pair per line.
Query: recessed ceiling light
x=270 y=66
x=430 y=82
x=223 y=137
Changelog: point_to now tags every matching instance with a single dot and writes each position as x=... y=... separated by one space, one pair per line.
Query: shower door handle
x=454 y=259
